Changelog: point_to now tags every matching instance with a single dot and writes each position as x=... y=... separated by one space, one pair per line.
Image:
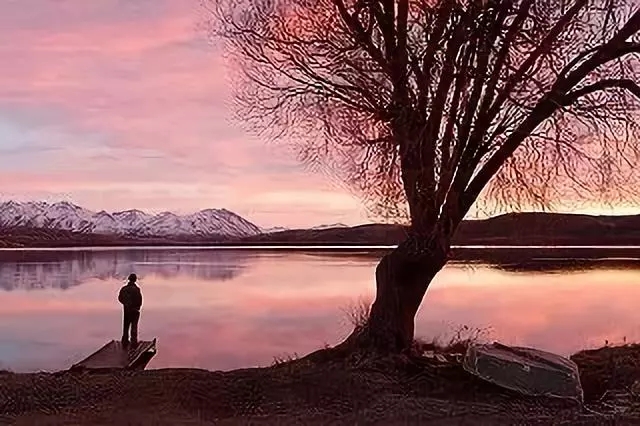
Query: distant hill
x=545 y=229
x=508 y=229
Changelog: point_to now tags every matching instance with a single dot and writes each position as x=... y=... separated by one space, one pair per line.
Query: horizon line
x=283 y=228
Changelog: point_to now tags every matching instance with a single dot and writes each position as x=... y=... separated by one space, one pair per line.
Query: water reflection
x=65 y=269
x=546 y=265
x=223 y=310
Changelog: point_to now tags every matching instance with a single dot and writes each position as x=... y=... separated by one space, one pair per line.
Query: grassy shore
x=398 y=390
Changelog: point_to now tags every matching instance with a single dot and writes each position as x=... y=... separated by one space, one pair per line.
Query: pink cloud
x=127 y=86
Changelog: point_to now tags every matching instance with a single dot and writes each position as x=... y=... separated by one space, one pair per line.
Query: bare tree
x=425 y=104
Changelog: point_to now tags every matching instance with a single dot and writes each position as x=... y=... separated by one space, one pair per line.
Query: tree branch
x=362 y=35
x=609 y=83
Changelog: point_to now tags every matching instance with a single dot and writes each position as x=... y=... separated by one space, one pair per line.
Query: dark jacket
x=131 y=297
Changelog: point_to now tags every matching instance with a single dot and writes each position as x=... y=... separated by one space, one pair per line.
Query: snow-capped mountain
x=274 y=229
x=333 y=225
x=68 y=216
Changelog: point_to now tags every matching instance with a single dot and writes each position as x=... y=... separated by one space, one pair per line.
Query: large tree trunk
x=402 y=279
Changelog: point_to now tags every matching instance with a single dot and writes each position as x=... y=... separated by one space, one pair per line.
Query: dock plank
x=114 y=355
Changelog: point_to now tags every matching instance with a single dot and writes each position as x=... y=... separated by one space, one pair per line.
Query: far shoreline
x=511 y=258
x=308 y=246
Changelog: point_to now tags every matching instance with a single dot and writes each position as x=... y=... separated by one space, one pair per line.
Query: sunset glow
x=116 y=105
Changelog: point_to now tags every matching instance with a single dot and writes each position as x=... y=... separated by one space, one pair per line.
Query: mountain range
x=39 y=224
x=131 y=223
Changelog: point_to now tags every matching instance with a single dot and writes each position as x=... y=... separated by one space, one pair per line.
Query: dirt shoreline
x=384 y=391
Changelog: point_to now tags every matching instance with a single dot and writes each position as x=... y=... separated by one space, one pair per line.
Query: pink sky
x=115 y=105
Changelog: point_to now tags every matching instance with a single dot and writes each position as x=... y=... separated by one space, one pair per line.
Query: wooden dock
x=115 y=356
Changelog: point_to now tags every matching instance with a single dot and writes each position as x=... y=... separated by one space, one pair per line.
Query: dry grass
x=301 y=392
x=358 y=312
x=609 y=369
x=285 y=358
x=458 y=342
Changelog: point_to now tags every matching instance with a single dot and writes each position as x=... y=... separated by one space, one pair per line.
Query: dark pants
x=130 y=320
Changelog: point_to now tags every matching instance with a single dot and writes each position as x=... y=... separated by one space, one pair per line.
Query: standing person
x=131 y=298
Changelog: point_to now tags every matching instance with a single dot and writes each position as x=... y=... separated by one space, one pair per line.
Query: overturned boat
x=525 y=370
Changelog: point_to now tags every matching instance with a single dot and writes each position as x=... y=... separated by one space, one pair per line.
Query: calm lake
x=225 y=309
